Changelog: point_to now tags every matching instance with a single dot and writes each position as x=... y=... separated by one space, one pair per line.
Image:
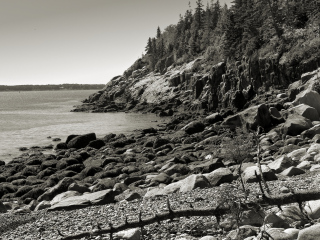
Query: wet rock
x=177 y=168
x=75 y=168
x=46 y=173
x=48 y=164
x=194 y=127
x=161 y=178
x=81 y=141
x=65 y=162
x=23 y=190
x=6 y=188
x=81 y=188
x=62 y=186
x=158 y=142
x=90 y=171
x=61 y=146
x=97 y=144
x=103 y=184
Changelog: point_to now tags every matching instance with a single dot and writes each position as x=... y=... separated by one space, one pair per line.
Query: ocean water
x=28 y=118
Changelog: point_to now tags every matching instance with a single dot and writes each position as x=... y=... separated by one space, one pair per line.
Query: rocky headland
x=237 y=157
x=196 y=160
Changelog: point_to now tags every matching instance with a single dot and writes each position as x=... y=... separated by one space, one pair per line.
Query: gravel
x=44 y=225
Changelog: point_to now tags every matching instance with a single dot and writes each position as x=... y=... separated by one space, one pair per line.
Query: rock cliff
x=195 y=85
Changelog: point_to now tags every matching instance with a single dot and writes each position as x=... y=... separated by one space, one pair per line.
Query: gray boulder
x=281 y=164
x=194 y=181
x=219 y=176
x=305 y=111
x=194 y=127
x=81 y=141
x=296 y=124
x=308 y=97
x=250 y=177
x=250 y=118
x=61 y=187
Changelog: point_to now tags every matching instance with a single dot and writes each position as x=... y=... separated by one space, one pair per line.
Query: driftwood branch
x=220 y=210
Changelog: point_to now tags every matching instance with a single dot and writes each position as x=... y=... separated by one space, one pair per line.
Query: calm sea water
x=28 y=118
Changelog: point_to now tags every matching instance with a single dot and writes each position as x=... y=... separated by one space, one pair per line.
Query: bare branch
x=218 y=211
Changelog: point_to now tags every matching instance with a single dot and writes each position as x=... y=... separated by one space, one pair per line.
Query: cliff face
x=195 y=86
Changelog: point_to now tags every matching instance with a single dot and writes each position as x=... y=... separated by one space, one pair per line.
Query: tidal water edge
x=28 y=118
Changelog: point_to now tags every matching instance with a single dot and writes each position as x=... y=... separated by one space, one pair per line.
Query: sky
x=78 y=41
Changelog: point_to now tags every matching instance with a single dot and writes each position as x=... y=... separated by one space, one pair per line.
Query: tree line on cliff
x=251 y=28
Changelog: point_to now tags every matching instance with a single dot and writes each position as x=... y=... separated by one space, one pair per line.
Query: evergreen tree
x=198 y=15
x=149 y=48
x=158 y=33
x=216 y=11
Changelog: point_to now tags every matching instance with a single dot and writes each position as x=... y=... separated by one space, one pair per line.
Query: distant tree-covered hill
x=51 y=87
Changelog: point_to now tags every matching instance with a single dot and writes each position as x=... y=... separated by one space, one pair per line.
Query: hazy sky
x=78 y=41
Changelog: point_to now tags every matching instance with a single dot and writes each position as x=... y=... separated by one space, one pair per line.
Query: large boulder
x=310 y=233
x=219 y=176
x=63 y=196
x=207 y=166
x=76 y=202
x=305 y=111
x=213 y=118
x=81 y=141
x=194 y=181
x=310 y=133
x=281 y=164
x=292 y=171
x=308 y=97
x=296 y=124
x=313 y=209
x=61 y=187
x=281 y=233
x=177 y=168
x=250 y=118
x=250 y=177
x=194 y=127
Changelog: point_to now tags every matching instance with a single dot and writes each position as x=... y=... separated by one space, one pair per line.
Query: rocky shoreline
x=192 y=159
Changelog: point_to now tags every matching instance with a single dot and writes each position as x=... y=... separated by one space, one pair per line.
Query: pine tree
x=149 y=48
x=198 y=15
x=158 y=33
x=216 y=11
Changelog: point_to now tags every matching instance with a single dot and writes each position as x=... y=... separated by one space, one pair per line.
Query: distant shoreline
x=60 y=87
